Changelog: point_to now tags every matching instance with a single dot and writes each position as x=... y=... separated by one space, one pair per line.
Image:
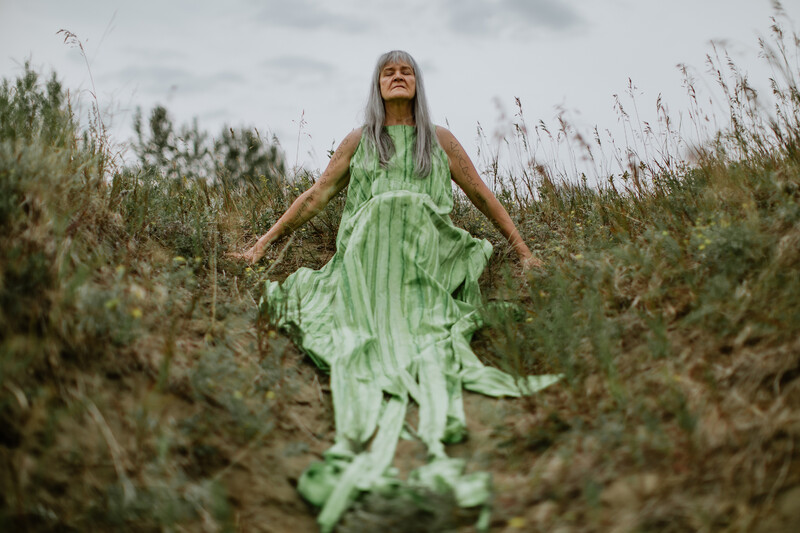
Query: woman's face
x=398 y=82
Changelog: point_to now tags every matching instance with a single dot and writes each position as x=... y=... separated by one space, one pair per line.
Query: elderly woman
x=391 y=314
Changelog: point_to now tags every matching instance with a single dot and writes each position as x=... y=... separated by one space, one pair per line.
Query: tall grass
x=115 y=313
x=670 y=300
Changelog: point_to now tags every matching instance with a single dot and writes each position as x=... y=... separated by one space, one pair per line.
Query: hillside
x=143 y=390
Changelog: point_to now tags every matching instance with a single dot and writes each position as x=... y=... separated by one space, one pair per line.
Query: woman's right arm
x=335 y=178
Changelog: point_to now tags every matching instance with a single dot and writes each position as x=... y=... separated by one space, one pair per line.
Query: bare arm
x=466 y=176
x=335 y=178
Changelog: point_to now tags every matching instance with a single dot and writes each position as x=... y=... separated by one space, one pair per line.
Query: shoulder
x=348 y=146
x=449 y=143
x=444 y=136
x=340 y=158
x=355 y=134
x=351 y=140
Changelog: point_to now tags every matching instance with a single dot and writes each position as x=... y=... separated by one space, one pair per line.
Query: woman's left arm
x=466 y=176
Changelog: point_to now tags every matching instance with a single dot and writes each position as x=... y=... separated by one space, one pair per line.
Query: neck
x=401 y=112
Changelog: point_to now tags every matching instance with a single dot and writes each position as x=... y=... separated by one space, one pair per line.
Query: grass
x=142 y=390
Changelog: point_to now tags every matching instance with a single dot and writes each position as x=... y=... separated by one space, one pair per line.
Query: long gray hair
x=375 y=115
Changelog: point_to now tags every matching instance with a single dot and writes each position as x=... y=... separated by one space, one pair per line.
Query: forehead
x=394 y=65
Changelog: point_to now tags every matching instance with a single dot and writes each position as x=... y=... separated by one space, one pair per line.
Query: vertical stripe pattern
x=390 y=316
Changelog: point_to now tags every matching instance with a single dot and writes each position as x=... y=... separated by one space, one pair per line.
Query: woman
x=391 y=314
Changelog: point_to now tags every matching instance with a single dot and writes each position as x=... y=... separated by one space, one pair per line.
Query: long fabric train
x=390 y=316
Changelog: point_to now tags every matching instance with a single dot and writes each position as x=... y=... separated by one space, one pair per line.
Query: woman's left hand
x=531 y=262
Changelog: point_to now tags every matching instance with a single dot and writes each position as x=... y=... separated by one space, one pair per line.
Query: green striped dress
x=390 y=317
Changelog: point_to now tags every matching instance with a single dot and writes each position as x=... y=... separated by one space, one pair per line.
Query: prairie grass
x=142 y=390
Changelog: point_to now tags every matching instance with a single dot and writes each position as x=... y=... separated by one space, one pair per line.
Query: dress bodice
x=369 y=179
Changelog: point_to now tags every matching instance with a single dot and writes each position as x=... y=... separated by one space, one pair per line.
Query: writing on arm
x=464 y=173
x=335 y=178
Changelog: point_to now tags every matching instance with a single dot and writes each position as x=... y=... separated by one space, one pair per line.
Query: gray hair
x=375 y=115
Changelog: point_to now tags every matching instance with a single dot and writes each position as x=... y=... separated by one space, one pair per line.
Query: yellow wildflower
x=517 y=522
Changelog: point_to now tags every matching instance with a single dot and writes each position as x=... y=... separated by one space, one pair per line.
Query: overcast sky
x=267 y=63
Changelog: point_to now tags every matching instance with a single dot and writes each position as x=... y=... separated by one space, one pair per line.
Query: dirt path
x=262 y=481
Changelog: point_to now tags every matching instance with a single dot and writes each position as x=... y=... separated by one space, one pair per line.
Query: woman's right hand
x=334 y=179
x=251 y=256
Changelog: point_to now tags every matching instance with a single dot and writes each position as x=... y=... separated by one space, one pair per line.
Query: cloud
x=294 y=67
x=308 y=15
x=493 y=17
x=151 y=54
x=159 y=79
x=215 y=115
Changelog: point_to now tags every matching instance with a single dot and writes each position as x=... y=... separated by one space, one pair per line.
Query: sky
x=300 y=70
